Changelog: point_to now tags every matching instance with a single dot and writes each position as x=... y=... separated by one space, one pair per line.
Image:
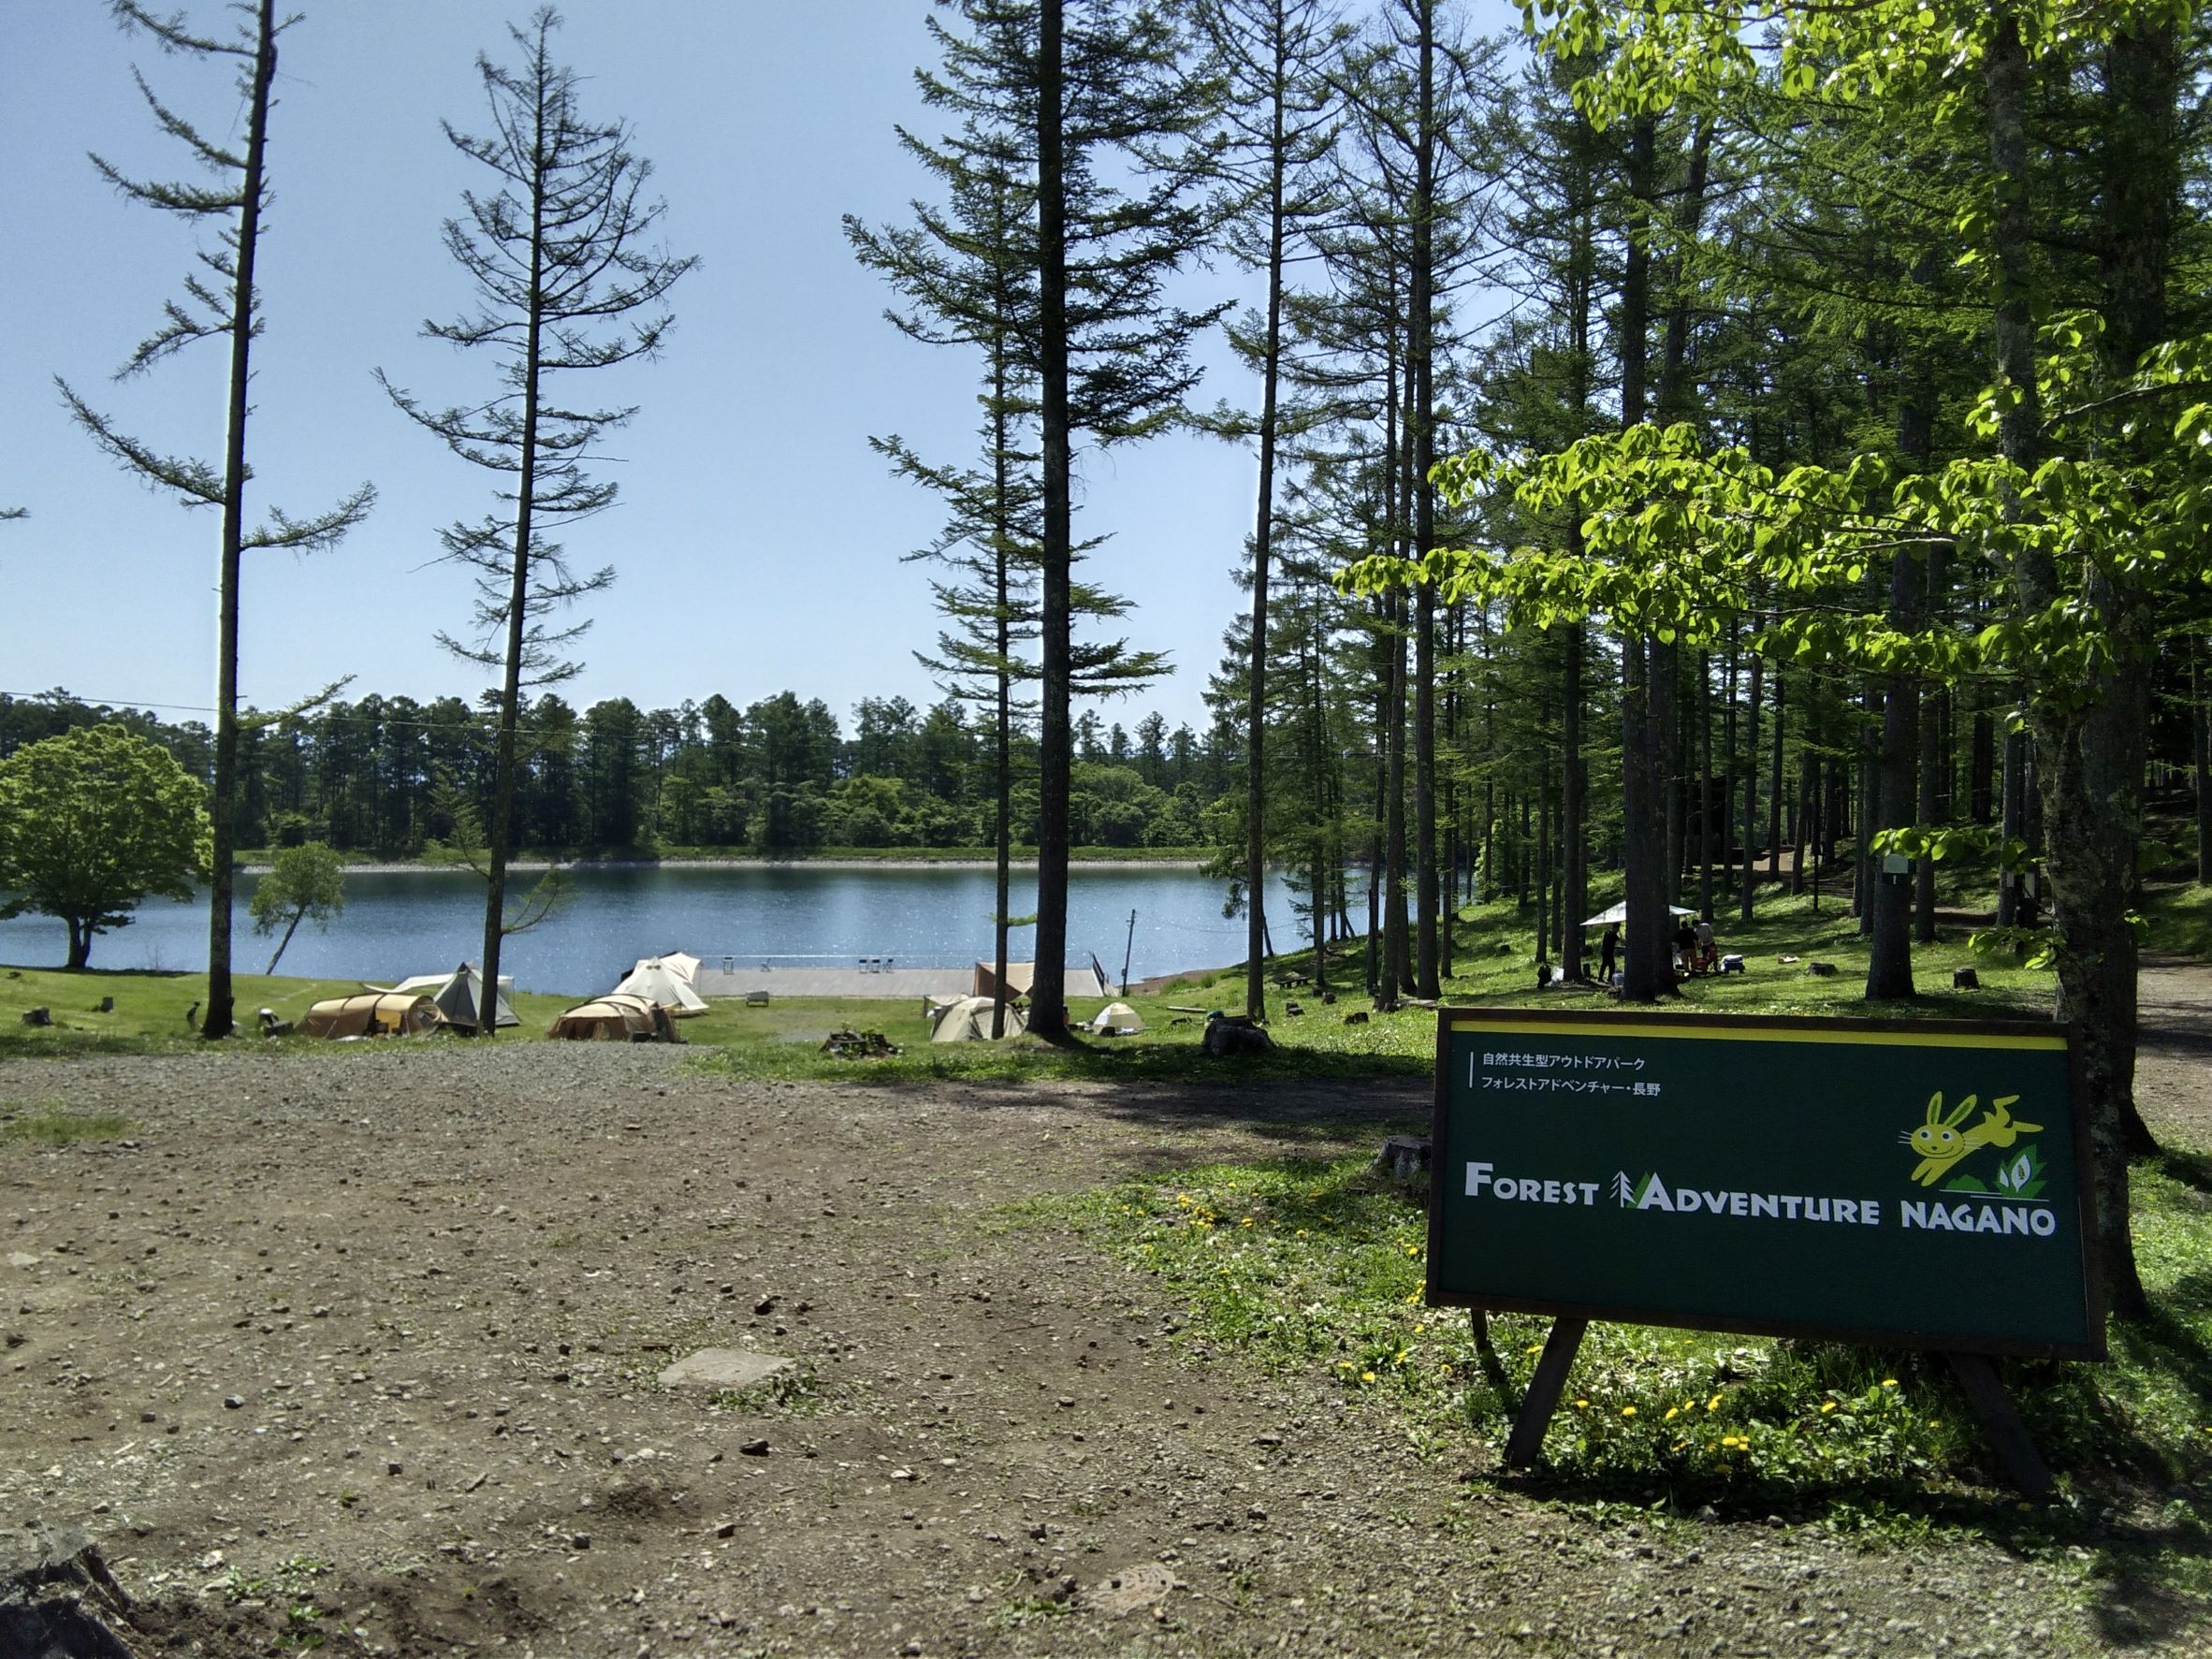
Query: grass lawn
x=1495 y=960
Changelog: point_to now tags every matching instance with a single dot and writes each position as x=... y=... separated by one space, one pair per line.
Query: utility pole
x=1128 y=950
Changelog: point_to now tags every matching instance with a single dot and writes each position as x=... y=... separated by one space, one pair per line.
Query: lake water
x=422 y=920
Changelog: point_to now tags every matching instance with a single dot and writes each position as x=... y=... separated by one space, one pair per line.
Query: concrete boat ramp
x=862 y=979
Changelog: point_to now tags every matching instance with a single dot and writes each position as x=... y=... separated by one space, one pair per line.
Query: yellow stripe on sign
x=1720 y=1033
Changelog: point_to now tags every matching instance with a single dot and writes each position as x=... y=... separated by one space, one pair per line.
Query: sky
x=760 y=542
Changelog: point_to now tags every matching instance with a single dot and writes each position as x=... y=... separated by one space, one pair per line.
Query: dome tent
x=373 y=1014
x=615 y=1017
x=968 y=1020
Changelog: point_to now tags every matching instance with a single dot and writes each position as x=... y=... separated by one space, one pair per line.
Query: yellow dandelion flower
x=1246 y=1222
x=1890 y=1382
x=1367 y=1376
x=1403 y=1355
x=1826 y=1406
x=1535 y=1347
x=1672 y=1412
x=1301 y=1233
x=1582 y=1405
x=1713 y=1404
x=1628 y=1411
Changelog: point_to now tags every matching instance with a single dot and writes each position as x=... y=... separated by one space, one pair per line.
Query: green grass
x=150 y=1009
x=1495 y=956
x=1313 y=1268
x=53 y=1126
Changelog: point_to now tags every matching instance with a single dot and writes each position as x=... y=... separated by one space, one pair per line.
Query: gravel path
x=362 y=1345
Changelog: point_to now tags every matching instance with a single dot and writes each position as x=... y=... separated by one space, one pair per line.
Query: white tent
x=685 y=967
x=1119 y=1018
x=968 y=1020
x=657 y=982
x=457 y=995
x=1620 y=914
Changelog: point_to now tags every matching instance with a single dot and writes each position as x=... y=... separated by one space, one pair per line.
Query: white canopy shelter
x=459 y=995
x=660 y=983
x=1620 y=914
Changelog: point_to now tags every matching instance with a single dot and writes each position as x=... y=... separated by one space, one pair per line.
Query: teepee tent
x=459 y=995
x=659 y=983
x=968 y=1020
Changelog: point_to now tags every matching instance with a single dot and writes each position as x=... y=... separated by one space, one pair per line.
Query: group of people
x=1695 y=949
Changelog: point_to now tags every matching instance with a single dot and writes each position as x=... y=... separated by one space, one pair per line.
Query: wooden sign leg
x=2008 y=1436
x=1527 y=1440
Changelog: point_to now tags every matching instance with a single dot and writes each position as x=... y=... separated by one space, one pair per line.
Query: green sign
x=1917 y=1184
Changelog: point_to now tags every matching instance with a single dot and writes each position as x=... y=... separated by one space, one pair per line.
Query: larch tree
x=221 y=302
x=566 y=279
x=1280 y=113
x=1099 y=108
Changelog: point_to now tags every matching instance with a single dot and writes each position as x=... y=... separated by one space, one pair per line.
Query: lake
x=423 y=921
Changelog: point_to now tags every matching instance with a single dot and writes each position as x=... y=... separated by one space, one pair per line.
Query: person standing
x=1608 y=951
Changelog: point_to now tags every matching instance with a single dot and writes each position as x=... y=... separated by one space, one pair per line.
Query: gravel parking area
x=361 y=1350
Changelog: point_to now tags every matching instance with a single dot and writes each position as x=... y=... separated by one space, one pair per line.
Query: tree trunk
x=2201 y=736
x=290 y=929
x=1706 y=827
x=1574 y=861
x=1048 y=1005
x=1263 y=535
x=2090 y=757
x=1647 y=972
x=1397 y=979
x=1751 y=784
x=502 y=797
x=223 y=800
x=1774 y=795
x=1932 y=774
x=1422 y=440
x=81 y=939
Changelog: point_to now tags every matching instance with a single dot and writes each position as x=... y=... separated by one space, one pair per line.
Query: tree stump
x=39 y=1016
x=1404 y=1159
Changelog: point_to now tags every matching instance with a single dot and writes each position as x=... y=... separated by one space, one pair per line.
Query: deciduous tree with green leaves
x=304 y=883
x=93 y=821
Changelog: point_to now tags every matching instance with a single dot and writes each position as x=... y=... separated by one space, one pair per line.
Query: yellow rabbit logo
x=1941 y=1142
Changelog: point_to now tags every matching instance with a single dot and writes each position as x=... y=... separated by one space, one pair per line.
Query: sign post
x=1903 y=1183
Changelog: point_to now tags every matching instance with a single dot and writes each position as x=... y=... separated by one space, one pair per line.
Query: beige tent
x=617 y=1017
x=1117 y=1018
x=459 y=995
x=373 y=1014
x=661 y=984
x=1087 y=980
x=968 y=1020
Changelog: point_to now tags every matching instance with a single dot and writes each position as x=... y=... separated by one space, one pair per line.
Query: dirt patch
x=365 y=1349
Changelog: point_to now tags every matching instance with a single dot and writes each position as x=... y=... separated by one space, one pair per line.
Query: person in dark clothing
x=1608 y=951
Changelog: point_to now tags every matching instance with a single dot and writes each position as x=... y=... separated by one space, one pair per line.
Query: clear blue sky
x=759 y=540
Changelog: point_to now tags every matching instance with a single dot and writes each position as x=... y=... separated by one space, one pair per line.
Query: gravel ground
x=362 y=1347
